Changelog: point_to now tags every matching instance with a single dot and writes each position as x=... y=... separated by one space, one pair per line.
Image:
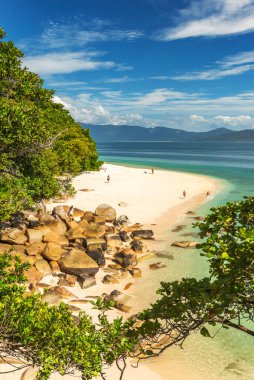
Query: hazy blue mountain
x=110 y=133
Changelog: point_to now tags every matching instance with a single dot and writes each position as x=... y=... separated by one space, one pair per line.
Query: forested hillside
x=39 y=140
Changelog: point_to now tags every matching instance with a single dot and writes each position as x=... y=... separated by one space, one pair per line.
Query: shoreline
x=156 y=201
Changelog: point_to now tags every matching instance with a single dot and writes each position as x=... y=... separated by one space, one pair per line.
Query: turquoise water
x=233 y=162
x=230 y=355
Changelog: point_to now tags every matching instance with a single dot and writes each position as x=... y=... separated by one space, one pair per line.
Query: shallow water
x=230 y=354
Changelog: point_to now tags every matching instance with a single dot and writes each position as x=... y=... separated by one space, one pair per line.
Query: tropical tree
x=54 y=340
x=39 y=140
x=225 y=299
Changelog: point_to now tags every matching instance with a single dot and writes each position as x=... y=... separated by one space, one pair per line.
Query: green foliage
x=39 y=140
x=49 y=337
x=225 y=298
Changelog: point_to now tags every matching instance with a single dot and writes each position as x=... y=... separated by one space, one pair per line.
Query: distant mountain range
x=111 y=133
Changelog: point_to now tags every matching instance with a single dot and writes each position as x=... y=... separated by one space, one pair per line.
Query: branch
x=10 y=172
x=236 y=326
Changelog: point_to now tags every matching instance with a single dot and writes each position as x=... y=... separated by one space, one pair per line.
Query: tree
x=39 y=140
x=52 y=339
x=224 y=299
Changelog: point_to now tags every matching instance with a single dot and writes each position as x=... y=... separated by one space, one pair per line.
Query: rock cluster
x=73 y=244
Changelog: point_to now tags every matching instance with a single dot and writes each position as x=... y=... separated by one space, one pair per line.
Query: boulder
x=57 y=226
x=135 y=272
x=83 y=223
x=33 y=275
x=99 y=219
x=142 y=234
x=108 y=212
x=13 y=248
x=76 y=233
x=97 y=255
x=61 y=291
x=178 y=228
x=52 y=251
x=67 y=279
x=52 y=299
x=35 y=249
x=124 y=236
x=24 y=258
x=88 y=216
x=44 y=230
x=122 y=307
x=47 y=218
x=13 y=236
x=185 y=244
x=54 y=266
x=77 y=262
x=61 y=212
x=110 y=230
x=122 y=220
x=109 y=279
x=5 y=247
x=71 y=224
x=86 y=281
x=34 y=236
x=137 y=246
x=158 y=265
x=114 y=241
x=43 y=267
x=93 y=230
x=126 y=258
x=55 y=238
x=92 y=242
x=77 y=213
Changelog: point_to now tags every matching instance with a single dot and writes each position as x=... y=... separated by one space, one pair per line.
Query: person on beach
x=108 y=178
x=152 y=170
x=207 y=193
x=184 y=193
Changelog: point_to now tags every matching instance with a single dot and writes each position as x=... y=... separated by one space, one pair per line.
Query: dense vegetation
x=52 y=339
x=39 y=140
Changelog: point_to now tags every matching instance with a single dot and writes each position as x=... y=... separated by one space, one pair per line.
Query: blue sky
x=185 y=64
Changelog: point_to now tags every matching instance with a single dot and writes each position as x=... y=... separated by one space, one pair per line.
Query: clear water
x=230 y=355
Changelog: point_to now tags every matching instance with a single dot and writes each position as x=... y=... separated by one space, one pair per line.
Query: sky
x=185 y=64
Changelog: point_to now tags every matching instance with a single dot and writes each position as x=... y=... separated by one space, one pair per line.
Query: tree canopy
x=51 y=338
x=225 y=298
x=39 y=140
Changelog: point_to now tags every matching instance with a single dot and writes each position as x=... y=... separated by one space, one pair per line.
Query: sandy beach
x=143 y=196
x=152 y=199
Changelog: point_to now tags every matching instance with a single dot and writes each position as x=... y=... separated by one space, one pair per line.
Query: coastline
x=161 y=219
x=156 y=201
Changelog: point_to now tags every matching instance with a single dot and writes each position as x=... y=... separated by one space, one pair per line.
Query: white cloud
x=124 y=79
x=79 y=34
x=64 y=63
x=212 y=18
x=197 y=118
x=158 y=96
x=238 y=59
x=165 y=107
x=231 y=65
x=111 y=94
x=235 y=121
x=213 y=74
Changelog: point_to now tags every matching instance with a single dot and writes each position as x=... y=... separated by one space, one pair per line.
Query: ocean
x=230 y=354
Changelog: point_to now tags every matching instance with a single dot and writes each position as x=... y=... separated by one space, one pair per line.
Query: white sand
x=148 y=196
x=150 y=199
